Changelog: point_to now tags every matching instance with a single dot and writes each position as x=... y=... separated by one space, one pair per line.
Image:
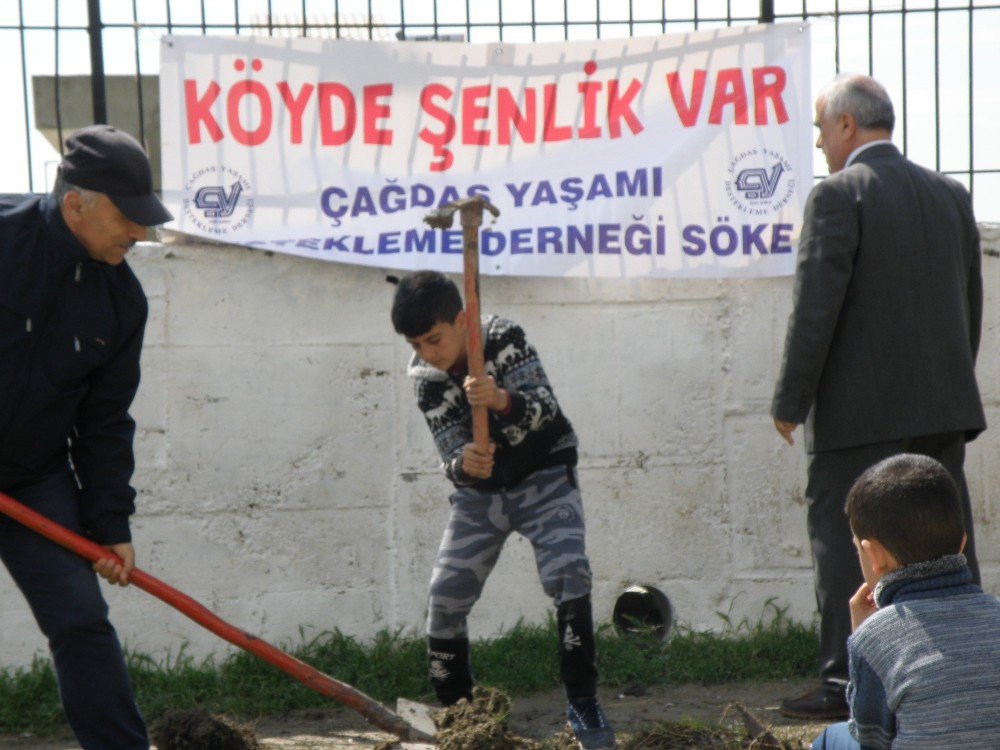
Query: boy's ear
x=880 y=558
x=460 y=319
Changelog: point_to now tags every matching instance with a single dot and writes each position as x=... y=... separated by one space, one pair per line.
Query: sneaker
x=590 y=725
x=815 y=704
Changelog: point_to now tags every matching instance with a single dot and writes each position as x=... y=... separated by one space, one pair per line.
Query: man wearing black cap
x=72 y=316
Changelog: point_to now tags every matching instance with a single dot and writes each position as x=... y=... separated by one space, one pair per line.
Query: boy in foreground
x=925 y=645
x=525 y=481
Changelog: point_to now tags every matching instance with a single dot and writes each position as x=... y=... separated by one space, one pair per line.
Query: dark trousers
x=835 y=561
x=65 y=598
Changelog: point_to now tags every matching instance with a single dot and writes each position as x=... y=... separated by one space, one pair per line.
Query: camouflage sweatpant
x=545 y=509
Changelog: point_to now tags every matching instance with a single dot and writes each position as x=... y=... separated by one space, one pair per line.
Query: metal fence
x=940 y=59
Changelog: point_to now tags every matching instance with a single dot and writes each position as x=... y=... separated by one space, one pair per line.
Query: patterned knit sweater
x=924 y=667
x=533 y=434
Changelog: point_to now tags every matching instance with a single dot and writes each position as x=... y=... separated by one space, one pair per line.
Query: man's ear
x=847 y=126
x=880 y=558
x=72 y=205
x=965 y=540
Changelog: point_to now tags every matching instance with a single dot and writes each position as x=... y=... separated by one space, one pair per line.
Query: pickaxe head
x=471 y=208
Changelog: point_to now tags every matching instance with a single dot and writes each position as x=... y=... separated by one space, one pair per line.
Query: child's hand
x=862 y=606
x=477 y=463
x=484 y=392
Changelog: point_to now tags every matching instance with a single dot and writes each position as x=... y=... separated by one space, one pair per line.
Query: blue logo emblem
x=215 y=202
x=757 y=183
x=761 y=182
x=221 y=201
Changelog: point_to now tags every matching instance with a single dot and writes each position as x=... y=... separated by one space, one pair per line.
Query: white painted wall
x=288 y=482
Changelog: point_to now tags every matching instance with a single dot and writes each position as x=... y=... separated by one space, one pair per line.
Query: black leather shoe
x=815 y=704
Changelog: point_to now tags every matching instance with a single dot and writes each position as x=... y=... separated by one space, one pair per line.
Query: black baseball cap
x=110 y=161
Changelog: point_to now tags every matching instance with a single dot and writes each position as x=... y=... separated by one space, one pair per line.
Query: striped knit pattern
x=535 y=429
x=925 y=668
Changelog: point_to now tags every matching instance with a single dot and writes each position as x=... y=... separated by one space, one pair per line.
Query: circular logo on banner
x=219 y=200
x=760 y=182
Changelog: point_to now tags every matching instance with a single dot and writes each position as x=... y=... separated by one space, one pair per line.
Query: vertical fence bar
x=937 y=86
x=972 y=173
x=905 y=133
x=96 y=29
x=871 y=39
x=56 y=90
x=766 y=11
x=836 y=36
x=138 y=76
x=24 y=96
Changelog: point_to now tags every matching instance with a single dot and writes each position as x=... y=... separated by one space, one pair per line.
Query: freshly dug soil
x=540 y=716
x=482 y=725
x=199 y=730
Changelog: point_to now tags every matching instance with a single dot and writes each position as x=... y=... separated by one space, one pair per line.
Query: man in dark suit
x=881 y=344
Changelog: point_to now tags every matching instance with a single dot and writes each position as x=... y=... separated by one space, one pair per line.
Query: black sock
x=577 y=652
x=450 y=669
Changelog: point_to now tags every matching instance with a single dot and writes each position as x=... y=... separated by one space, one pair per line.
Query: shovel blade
x=417 y=715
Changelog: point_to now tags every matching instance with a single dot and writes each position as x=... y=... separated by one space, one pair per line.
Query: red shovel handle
x=323 y=684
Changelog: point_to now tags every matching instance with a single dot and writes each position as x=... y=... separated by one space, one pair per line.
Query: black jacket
x=70 y=337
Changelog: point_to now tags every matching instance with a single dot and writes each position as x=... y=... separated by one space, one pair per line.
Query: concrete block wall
x=287 y=480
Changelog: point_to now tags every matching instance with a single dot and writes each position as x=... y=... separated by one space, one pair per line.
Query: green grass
x=520 y=661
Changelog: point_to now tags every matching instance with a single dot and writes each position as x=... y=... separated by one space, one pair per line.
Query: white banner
x=679 y=155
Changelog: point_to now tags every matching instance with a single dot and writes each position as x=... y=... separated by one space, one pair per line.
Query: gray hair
x=863 y=98
x=62 y=187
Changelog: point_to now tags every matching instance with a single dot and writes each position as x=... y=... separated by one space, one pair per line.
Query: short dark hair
x=422 y=300
x=910 y=505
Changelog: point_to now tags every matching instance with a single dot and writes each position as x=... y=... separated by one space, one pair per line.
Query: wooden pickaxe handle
x=471 y=212
x=474 y=340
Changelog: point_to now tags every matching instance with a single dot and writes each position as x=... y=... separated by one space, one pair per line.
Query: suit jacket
x=883 y=336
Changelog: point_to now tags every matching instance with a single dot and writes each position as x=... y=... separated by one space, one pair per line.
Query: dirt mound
x=479 y=725
x=683 y=735
x=482 y=725
x=198 y=730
